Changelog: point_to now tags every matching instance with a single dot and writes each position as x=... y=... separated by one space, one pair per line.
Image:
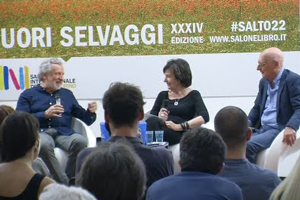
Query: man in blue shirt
x=123 y=109
x=202 y=154
x=277 y=105
x=256 y=183
x=54 y=107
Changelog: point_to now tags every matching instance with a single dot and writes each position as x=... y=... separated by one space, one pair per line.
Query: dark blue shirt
x=36 y=101
x=256 y=183
x=158 y=161
x=193 y=185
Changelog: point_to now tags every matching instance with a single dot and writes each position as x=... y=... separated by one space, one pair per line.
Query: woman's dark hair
x=4 y=112
x=181 y=70
x=18 y=134
x=113 y=171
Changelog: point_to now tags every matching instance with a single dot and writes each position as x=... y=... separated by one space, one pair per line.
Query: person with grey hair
x=202 y=155
x=277 y=105
x=58 y=192
x=113 y=171
x=46 y=67
x=180 y=108
x=54 y=107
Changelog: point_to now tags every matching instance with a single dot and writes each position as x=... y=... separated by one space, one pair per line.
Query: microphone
x=57 y=98
x=165 y=104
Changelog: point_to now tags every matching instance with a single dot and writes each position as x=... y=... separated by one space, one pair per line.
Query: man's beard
x=55 y=86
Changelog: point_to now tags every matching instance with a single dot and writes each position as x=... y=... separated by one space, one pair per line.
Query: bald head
x=273 y=54
x=270 y=63
x=232 y=124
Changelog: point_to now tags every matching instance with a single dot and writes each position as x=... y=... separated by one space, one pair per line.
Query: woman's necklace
x=176 y=102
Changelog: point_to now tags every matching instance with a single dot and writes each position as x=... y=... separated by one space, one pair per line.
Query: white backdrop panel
x=214 y=75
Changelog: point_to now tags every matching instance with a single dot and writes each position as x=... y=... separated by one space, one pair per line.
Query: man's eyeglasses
x=262 y=64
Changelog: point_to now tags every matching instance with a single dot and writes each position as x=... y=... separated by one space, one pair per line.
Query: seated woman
x=19 y=145
x=180 y=108
x=38 y=164
x=4 y=112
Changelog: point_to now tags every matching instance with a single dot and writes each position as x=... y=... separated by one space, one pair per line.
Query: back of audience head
x=123 y=103
x=202 y=150
x=181 y=70
x=4 y=112
x=113 y=172
x=18 y=135
x=61 y=192
x=289 y=188
x=232 y=124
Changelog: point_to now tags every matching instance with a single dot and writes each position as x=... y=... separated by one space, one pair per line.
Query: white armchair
x=175 y=152
x=79 y=127
x=280 y=157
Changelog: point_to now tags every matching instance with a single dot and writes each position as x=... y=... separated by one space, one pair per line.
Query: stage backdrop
x=131 y=40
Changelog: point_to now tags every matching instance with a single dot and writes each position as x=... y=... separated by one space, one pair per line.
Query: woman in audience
x=289 y=189
x=113 y=172
x=4 y=112
x=19 y=144
x=62 y=192
x=38 y=164
x=179 y=108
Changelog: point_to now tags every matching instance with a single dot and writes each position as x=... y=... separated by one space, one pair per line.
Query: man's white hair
x=61 y=192
x=46 y=66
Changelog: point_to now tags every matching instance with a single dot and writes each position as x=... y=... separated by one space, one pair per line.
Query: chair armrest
x=289 y=157
x=176 y=156
x=274 y=153
x=80 y=127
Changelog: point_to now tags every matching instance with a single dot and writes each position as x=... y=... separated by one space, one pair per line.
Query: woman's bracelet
x=185 y=126
x=182 y=126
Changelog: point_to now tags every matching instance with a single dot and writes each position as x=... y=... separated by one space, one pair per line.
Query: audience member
x=277 y=105
x=123 y=109
x=113 y=172
x=202 y=154
x=62 y=192
x=54 y=107
x=180 y=108
x=289 y=189
x=19 y=143
x=256 y=183
x=4 y=112
x=38 y=165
